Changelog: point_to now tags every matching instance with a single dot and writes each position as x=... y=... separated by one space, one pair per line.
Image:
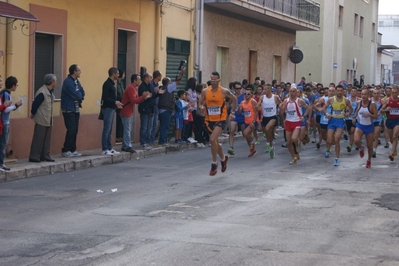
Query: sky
x=388 y=7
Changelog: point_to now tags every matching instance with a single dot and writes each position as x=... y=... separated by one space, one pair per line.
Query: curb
x=25 y=169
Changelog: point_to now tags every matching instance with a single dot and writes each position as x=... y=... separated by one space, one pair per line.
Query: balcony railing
x=306 y=10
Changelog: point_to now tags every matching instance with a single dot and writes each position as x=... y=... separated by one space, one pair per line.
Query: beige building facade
x=133 y=35
x=346 y=45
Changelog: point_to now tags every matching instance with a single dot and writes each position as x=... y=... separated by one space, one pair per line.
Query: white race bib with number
x=247 y=113
x=291 y=114
x=214 y=110
x=338 y=112
x=394 y=111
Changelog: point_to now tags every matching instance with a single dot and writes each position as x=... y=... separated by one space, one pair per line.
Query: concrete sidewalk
x=90 y=158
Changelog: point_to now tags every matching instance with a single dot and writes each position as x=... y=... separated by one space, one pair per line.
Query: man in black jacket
x=146 y=110
x=108 y=106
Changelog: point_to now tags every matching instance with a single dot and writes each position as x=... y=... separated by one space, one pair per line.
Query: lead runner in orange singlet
x=213 y=101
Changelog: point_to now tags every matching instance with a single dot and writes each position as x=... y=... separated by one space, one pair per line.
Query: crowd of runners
x=307 y=112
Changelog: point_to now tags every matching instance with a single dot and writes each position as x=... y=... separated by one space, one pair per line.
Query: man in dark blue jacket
x=72 y=95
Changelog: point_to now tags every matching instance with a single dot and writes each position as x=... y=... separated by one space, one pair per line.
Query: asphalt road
x=167 y=210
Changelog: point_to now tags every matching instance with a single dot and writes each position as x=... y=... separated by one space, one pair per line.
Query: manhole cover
x=389 y=201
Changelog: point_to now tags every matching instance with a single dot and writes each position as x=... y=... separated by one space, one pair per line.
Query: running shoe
x=314 y=141
x=345 y=136
x=284 y=145
x=392 y=156
x=272 y=152
x=230 y=151
x=361 y=151
x=264 y=135
x=374 y=155
x=327 y=155
x=318 y=145
x=267 y=148
x=368 y=164
x=257 y=142
x=336 y=162
x=294 y=160
x=252 y=150
x=224 y=163
x=386 y=145
x=349 y=148
x=214 y=169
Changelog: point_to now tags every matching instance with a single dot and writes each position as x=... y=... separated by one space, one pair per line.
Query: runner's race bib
x=337 y=112
x=291 y=114
x=394 y=111
x=214 y=110
x=268 y=110
x=324 y=119
x=247 y=113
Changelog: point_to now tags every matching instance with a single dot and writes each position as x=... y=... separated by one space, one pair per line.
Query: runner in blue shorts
x=238 y=122
x=365 y=113
x=336 y=121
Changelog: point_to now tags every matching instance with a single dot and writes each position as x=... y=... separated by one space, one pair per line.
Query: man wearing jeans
x=108 y=105
x=72 y=95
x=129 y=99
x=156 y=78
x=11 y=85
x=166 y=106
x=146 y=110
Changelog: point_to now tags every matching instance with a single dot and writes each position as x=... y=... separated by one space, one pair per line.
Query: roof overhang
x=8 y=10
x=387 y=47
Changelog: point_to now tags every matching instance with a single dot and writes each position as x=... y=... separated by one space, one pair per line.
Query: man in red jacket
x=129 y=99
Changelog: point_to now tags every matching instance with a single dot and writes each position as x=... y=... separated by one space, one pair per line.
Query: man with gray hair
x=42 y=114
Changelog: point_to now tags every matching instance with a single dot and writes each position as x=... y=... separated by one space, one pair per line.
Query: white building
x=346 y=45
x=388 y=25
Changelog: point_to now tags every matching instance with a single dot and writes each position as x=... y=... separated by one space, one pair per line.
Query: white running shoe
x=114 y=152
x=107 y=152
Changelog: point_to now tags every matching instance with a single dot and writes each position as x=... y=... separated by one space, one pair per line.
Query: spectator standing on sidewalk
x=72 y=95
x=146 y=110
x=156 y=78
x=42 y=114
x=108 y=105
x=192 y=98
x=11 y=85
x=166 y=106
x=3 y=106
x=119 y=93
x=129 y=100
x=199 y=120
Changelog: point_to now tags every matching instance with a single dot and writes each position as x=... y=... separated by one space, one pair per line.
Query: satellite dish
x=354 y=63
x=296 y=56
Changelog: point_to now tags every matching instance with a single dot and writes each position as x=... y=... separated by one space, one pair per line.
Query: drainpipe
x=158 y=29
x=9 y=51
x=8 y=58
x=196 y=39
x=199 y=35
